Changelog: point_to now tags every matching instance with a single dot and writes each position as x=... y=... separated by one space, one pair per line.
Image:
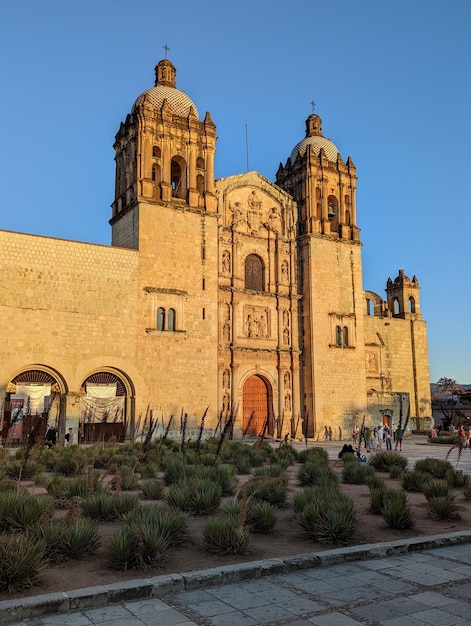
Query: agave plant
x=21 y=561
x=224 y=535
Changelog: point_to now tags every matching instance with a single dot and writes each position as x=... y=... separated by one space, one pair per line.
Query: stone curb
x=160 y=586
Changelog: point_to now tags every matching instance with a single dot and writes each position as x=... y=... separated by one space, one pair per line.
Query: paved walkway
x=414 y=589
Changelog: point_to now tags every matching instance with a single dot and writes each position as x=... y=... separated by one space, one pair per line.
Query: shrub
x=21 y=562
x=396 y=511
x=30 y=470
x=443 y=507
x=313 y=454
x=223 y=475
x=129 y=480
x=356 y=473
x=467 y=491
x=261 y=516
x=272 y=490
x=396 y=471
x=50 y=535
x=80 y=539
x=415 y=480
x=377 y=499
x=242 y=464
x=329 y=520
x=436 y=467
x=275 y=470
x=135 y=547
x=179 y=496
x=456 y=478
x=173 y=525
x=222 y=535
x=337 y=523
x=152 y=490
x=205 y=496
x=315 y=472
x=108 y=507
x=176 y=470
x=437 y=489
x=19 y=511
x=383 y=461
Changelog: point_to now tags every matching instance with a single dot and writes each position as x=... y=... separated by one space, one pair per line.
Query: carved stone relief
x=226 y=262
x=256 y=323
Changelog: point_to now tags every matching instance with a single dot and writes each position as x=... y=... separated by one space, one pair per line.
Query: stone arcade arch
x=35 y=393
x=105 y=407
x=257 y=406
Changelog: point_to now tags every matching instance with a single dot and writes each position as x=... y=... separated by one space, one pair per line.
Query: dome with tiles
x=314 y=139
x=165 y=90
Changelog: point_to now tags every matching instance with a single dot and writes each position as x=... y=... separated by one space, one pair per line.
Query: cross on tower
x=166 y=48
x=313 y=104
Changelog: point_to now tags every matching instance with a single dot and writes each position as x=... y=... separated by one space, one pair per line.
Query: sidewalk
x=401 y=583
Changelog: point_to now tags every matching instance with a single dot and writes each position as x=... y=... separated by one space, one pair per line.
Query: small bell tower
x=403 y=296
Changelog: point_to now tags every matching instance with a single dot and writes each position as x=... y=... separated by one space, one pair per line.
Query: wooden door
x=255 y=405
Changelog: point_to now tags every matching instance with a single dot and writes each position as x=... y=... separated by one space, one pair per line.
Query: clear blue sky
x=391 y=81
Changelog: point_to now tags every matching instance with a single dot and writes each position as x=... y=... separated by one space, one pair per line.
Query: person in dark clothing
x=51 y=436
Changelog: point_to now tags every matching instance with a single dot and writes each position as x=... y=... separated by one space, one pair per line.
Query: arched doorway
x=32 y=398
x=103 y=408
x=257 y=406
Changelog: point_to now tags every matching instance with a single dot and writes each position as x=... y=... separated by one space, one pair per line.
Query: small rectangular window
x=203 y=252
x=204 y=284
x=204 y=314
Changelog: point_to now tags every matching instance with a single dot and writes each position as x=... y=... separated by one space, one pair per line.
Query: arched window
x=200 y=163
x=254 y=278
x=338 y=336
x=156 y=173
x=369 y=307
x=160 y=318
x=178 y=177
x=156 y=152
x=396 y=307
x=171 y=320
x=333 y=207
x=348 y=219
x=411 y=305
x=345 y=336
x=200 y=183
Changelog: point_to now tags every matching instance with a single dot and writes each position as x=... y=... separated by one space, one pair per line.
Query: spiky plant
x=21 y=560
x=152 y=490
x=261 y=516
x=436 y=467
x=377 y=500
x=315 y=472
x=383 y=461
x=415 y=480
x=336 y=523
x=356 y=473
x=80 y=539
x=437 y=489
x=136 y=547
x=456 y=478
x=179 y=496
x=173 y=525
x=205 y=497
x=396 y=511
x=224 y=535
x=443 y=507
x=19 y=511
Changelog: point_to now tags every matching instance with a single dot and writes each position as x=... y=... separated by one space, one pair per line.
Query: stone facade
x=236 y=296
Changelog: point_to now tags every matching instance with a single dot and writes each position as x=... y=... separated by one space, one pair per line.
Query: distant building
x=238 y=294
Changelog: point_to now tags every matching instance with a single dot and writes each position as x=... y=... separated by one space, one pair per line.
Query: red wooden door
x=255 y=405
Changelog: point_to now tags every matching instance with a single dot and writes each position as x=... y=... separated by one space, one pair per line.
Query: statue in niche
x=254 y=213
x=254 y=202
x=287 y=402
x=226 y=332
x=287 y=380
x=225 y=403
x=226 y=316
x=274 y=219
x=285 y=318
x=251 y=326
x=262 y=327
x=286 y=335
x=226 y=262
x=284 y=272
x=225 y=379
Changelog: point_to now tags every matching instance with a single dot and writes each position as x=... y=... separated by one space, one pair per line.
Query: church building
x=236 y=297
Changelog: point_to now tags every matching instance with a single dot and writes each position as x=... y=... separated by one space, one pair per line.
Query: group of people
x=376 y=437
x=464 y=433
x=50 y=436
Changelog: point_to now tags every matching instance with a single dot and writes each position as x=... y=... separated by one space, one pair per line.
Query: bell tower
x=330 y=278
x=403 y=297
x=164 y=154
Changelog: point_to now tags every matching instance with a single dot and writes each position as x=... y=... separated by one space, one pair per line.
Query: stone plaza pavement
x=410 y=582
x=411 y=589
